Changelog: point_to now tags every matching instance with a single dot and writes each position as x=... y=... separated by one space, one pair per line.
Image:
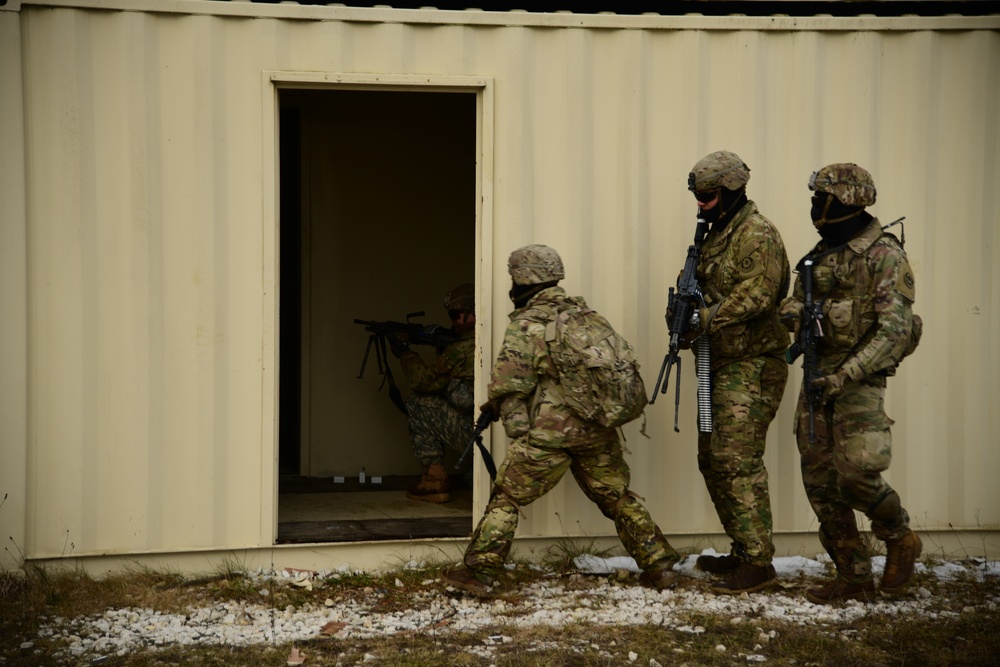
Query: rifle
x=682 y=305
x=435 y=335
x=486 y=417
x=418 y=334
x=810 y=328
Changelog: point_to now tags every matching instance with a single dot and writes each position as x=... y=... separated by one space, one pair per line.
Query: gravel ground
x=550 y=601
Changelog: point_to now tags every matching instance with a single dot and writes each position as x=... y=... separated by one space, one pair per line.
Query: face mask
x=730 y=201
x=520 y=295
x=842 y=232
x=827 y=209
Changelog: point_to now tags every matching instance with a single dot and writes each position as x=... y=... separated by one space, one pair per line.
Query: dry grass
x=955 y=637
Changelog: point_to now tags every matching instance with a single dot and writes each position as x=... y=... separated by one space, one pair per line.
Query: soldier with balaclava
x=864 y=284
x=743 y=274
x=548 y=439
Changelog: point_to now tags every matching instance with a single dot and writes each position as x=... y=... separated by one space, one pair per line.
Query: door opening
x=378 y=221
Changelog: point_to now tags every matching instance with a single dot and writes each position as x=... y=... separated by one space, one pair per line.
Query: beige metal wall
x=150 y=199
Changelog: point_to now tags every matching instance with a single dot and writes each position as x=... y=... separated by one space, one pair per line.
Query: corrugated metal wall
x=150 y=233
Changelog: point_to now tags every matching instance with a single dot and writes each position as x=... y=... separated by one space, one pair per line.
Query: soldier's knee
x=501 y=500
x=611 y=507
x=857 y=490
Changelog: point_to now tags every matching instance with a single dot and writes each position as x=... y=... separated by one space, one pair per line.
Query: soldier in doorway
x=441 y=405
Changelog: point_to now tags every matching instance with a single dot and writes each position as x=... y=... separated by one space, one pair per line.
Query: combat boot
x=901 y=556
x=660 y=576
x=432 y=487
x=839 y=590
x=746 y=578
x=465 y=579
x=718 y=564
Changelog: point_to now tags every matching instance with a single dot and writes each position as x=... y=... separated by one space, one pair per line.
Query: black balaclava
x=520 y=295
x=730 y=201
x=837 y=223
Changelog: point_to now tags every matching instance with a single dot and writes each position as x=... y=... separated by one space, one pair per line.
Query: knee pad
x=886 y=509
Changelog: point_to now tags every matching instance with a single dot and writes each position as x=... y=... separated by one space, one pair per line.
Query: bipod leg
x=659 y=379
x=364 y=360
x=383 y=361
x=677 y=395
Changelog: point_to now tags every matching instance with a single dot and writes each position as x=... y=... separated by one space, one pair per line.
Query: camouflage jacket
x=525 y=377
x=455 y=362
x=867 y=292
x=743 y=273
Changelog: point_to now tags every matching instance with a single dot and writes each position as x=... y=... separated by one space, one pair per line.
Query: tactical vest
x=843 y=282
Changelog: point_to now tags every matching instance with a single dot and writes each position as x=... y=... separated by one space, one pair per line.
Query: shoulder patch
x=748 y=262
x=905 y=283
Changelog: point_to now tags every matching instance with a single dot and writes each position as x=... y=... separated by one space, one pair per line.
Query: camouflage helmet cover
x=534 y=264
x=721 y=169
x=462 y=297
x=846 y=181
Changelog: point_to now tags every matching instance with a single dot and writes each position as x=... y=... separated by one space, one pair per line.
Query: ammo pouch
x=460 y=394
x=842 y=323
x=916 y=331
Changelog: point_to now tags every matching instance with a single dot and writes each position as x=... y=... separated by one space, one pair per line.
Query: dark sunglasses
x=705 y=197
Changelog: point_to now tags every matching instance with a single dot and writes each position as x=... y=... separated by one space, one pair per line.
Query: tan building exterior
x=158 y=159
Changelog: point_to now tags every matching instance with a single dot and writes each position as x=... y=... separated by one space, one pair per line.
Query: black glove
x=492 y=407
x=398 y=346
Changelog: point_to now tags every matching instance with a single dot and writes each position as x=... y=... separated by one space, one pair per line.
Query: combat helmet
x=721 y=169
x=462 y=297
x=849 y=183
x=534 y=265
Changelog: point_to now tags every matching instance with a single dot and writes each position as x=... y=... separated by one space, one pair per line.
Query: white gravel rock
x=547 y=602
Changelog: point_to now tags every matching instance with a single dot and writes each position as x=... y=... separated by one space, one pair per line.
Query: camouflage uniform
x=867 y=291
x=548 y=440
x=441 y=404
x=863 y=284
x=743 y=272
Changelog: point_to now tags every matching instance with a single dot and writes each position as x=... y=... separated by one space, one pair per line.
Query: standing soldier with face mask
x=865 y=288
x=743 y=274
x=548 y=439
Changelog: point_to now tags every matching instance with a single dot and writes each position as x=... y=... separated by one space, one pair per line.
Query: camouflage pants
x=530 y=471
x=745 y=398
x=435 y=424
x=842 y=469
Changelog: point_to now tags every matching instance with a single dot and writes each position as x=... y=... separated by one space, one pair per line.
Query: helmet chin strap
x=823 y=220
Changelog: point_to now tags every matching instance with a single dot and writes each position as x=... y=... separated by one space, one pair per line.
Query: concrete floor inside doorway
x=318 y=509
